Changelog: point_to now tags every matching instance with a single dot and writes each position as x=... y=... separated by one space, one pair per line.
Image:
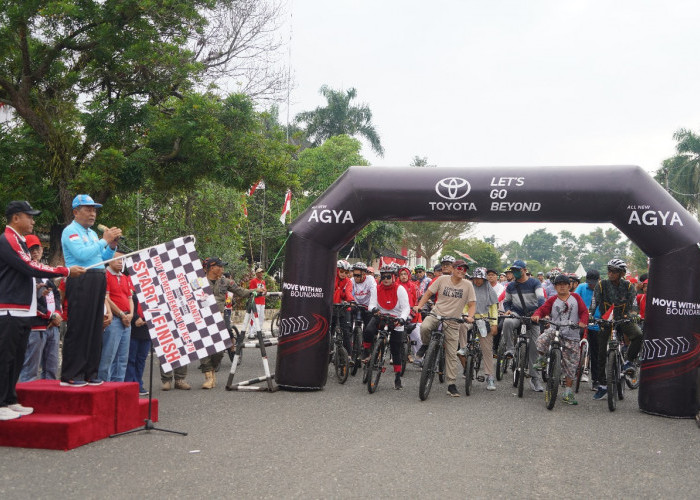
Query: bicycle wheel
x=376 y=360
x=405 y=351
x=501 y=363
x=441 y=365
x=469 y=373
x=553 y=378
x=341 y=364
x=612 y=379
x=429 y=369
x=356 y=350
x=522 y=367
x=275 y=325
x=620 y=381
x=581 y=367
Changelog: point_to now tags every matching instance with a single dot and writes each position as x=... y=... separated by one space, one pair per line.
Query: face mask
x=517 y=274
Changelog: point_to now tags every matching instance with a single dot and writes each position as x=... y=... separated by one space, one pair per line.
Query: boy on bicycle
x=564 y=309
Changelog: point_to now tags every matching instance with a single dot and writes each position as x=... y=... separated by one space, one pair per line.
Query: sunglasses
x=460 y=268
x=386 y=276
x=356 y=275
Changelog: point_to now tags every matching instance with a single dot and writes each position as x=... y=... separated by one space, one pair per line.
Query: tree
x=638 y=261
x=339 y=117
x=427 y=238
x=539 y=245
x=601 y=246
x=483 y=253
x=680 y=174
x=373 y=237
x=568 y=249
x=511 y=251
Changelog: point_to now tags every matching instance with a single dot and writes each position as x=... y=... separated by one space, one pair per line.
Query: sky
x=505 y=83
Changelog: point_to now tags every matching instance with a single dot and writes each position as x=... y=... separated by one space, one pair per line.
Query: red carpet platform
x=67 y=417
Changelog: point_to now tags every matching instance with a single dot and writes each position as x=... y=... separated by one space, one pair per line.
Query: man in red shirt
x=117 y=335
x=258 y=283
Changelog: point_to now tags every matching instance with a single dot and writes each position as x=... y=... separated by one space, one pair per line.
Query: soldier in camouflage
x=214 y=268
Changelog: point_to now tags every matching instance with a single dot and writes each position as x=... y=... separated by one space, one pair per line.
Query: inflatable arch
x=625 y=196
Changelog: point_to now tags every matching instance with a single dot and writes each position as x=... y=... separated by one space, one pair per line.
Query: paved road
x=343 y=442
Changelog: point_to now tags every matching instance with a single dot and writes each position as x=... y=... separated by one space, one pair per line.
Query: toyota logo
x=452 y=188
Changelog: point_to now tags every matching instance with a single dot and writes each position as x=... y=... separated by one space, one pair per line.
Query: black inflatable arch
x=625 y=196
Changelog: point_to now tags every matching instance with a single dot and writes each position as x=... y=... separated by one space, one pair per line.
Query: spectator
x=42 y=349
x=18 y=301
x=82 y=345
x=116 y=337
x=139 y=345
x=258 y=283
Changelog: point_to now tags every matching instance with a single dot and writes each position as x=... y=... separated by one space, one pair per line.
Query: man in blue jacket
x=18 y=300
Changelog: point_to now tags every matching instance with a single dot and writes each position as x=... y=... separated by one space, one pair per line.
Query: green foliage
x=680 y=174
x=482 y=252
x=637 y=261
x=427 y=238
x=539 y=246
x=375 y=236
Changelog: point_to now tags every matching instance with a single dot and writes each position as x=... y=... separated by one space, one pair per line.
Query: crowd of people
x=499 y=300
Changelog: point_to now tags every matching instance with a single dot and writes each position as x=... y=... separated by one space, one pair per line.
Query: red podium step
x=67 y=417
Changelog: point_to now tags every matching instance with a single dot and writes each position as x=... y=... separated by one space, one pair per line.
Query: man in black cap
x=585 y=290
x=18 y=299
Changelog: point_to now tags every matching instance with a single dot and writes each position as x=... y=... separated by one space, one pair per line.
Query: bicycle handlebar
x=608 y=322
x=447 y=318
x=562 y=325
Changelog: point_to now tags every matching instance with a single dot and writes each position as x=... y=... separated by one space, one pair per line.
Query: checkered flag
x=178 y=303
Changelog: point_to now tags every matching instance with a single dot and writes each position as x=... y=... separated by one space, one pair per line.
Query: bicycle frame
x=436 y=351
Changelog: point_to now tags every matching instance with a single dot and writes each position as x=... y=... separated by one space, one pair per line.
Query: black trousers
x=14 y=335
x=395 y=340
x=82 y=346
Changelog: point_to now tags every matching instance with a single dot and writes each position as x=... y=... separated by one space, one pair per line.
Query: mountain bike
x=406 y=344
x=552 y=373
x=434 y=360
x=503 y=359
x=377 y=359
x=520 y=362
x=357 y=329
x=583 y=363
x=473 y=354
x=615 y=377
x=338 y=354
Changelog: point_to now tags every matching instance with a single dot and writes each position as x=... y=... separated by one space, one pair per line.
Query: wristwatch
x=121 y=314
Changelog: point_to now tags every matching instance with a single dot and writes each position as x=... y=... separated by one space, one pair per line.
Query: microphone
x=121 y=241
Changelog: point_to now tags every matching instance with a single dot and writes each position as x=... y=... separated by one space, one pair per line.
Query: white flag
x=287 y=207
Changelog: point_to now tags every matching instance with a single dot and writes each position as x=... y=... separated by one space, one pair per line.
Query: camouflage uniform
x=221 y=287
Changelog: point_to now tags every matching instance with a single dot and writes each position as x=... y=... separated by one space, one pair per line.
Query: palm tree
x=680 y=174
x=340 y=117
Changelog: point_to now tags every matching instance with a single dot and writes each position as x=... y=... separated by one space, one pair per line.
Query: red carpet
x=67 y=417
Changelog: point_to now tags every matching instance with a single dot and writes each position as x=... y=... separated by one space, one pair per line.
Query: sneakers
x=509 y=353
x=182 y=385
x=94 y=381
x=143 y=393
x=397 y=383
x=594 y=386
x=452 y=391
x=166 y=385
x=462 y=351
x=7 y=414
x=569 y=399
x=22 y=410
x=628 y=368
x=584 y=377
x=252 y=335
x=536 y=385
x=540 y=364
x=73 y=383
x=421 y=352
x=602 y=392
x=490 y=384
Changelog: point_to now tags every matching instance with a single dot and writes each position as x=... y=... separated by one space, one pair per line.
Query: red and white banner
x=178 y=303
x=287 y=207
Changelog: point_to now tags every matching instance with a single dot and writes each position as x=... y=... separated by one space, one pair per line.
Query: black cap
x=437 y=268
x=592 y=275
x=16 y=207
x=214 y=261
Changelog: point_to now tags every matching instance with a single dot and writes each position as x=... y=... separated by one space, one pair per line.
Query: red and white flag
x=608 y=314
x=287 y=207
x=252 y=189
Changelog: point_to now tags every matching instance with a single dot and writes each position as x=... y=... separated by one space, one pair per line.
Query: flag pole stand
x=148 y=423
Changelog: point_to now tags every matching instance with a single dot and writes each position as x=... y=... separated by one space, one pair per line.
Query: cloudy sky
x=506 y=83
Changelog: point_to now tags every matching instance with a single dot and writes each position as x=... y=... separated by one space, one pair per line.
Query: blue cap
x=519 y=264
x=85 y=199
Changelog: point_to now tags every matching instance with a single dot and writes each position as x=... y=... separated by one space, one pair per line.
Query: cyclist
x=574 y=282
x=343 y=293
x=619 y=294
x=412 y=291
x=523 y=296
x=364 y=288
x=486 y=305
x=455 y=293
x=563 y=308
x=421 y=279
x=447 y=263
x=391 y=299
x=585 y=290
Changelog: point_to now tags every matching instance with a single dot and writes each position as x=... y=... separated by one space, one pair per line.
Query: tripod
x=148 y=426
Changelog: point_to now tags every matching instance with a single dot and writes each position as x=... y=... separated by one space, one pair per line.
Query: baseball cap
x=519 y=264
x=85 y=200
x=17 y=207
x=259 y=270
x=437 y=268
x=32 y=241
x=214 y=261
x=460 y=263
x=540 y=273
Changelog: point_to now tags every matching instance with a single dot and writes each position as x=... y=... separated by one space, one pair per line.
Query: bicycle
x=503 y=359
x=338 y=354
x=434 y=360
x=520 y=362
x=275 y=322
x=552 y=372
x=474 y=356
x=406 y=345
x=583 y=363
x=358 y=328
x=377 y=359
x=614 y=361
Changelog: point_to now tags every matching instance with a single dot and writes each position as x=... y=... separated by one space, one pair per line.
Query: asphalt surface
x=342 y=442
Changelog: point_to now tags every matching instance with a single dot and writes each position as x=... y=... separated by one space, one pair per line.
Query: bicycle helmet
x=395 y=267
x=479 y=272
x=574 y=277
x=447 y=258
x=344 y=265
x=561 y=278
x=388 y=268
x=359 y=266
x=419 y=267
x=617 y=265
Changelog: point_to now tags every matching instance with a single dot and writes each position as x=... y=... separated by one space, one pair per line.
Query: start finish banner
x=625 y=196
x=183 y=319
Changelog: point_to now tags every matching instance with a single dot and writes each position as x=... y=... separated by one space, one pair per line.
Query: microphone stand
x=148 y=422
